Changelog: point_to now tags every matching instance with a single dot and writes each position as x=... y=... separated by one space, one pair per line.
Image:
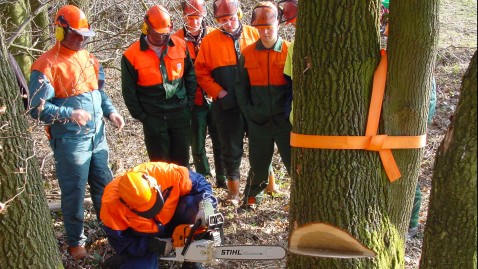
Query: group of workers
x=180 y=86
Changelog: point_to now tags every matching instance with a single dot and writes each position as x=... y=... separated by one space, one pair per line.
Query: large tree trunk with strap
x=333 y=77
x=26 y=231
x=450 y=234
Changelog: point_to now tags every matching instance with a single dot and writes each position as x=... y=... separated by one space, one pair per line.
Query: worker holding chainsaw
x=141 y=208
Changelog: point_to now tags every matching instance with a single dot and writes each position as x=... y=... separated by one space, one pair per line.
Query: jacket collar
x=277 y=46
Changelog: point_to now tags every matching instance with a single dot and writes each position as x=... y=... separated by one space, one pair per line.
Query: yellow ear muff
x=144 y=28
x=240 y=14
x=59 y=33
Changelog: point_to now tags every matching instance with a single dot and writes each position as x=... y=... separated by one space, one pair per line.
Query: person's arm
x=129 y=77
x=190 y=79
x=109 y=111
x=243 y=87
x=204 y=74
x=41 y=95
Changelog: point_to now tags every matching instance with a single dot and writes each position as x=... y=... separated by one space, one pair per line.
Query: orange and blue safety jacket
x=216 y=63
x=67 y=80
x=261 y=87
x=129 y=233
x=194 y=44
x=156 y=85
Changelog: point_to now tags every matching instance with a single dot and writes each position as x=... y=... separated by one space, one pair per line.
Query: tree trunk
x=41 y=26
x=333 y=73
x=450 y=234
x=17 y=12
x=26 y=232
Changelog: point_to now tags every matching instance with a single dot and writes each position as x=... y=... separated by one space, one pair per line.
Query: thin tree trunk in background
x=17 y=12
x=26 y=231
x=41 y=27
x=450 y=233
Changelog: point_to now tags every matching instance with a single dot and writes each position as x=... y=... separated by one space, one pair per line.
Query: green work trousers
x=167 y=136
x=202 y=123
x=261 y=149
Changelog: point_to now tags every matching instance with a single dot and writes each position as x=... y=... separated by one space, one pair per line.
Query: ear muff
x=59 y=33
x=144 y=28
x=240 y=14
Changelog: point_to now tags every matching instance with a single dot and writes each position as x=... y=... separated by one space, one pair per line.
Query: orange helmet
x=73 y=18
x=287 y=11
x=264 y=14
x=140 y=193
x=224 y=8
x=158 y=18
x=194 y=8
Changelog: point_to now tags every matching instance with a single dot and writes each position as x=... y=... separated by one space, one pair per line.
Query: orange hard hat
x=224 y=8
x=140 y=194
x=159 y=19
x=73 y=18
x=264 y=14
x=194 y=8
x=288 y=10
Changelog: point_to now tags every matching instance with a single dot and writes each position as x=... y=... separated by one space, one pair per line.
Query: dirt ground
x=269 y=223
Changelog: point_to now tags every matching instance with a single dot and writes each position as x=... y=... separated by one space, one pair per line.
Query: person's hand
x=80 y=116
x=117 y=120
x=206 y=209
x=160 y=245
x=221 y=94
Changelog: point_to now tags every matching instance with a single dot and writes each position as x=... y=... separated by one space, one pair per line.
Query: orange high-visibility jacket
x=193 y=48
x=218 y=57
x=118 y=217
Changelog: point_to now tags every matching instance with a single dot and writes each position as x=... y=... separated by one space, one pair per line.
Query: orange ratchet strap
x=371 y=141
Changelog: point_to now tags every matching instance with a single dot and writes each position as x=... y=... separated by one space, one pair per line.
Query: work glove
x=205 y=210
x=160 y=245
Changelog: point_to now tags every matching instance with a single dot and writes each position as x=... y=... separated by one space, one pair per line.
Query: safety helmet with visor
x=223 y=8
x=72 y=18
x=141 y=194
x=264 y=15
x=288 y=11
x=194 y=8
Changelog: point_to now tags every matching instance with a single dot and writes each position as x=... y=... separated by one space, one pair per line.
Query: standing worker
x=66 y=92
x=261 y=91
x=159 y=84
x=194 y=30
x=216 y=67
x=142 y=207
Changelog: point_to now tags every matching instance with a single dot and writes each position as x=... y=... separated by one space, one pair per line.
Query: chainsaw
x=204 y=244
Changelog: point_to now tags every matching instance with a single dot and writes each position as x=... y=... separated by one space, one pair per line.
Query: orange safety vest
x=148 y=64
x=70 y=72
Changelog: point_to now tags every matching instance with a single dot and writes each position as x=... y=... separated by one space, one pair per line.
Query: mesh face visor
x=264 y=16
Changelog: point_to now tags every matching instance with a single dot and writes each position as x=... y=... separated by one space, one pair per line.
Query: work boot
x=192 y=265
x=78 y=252
x=233 y=192
x=272 y=187
x=249 y=204
x=221 y=182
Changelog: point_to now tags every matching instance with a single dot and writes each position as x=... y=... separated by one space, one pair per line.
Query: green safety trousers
x=261 y=150
x=202 y=123
x=168 y=136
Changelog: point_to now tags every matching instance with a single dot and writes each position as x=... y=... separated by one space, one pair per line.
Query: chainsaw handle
x=189 y=240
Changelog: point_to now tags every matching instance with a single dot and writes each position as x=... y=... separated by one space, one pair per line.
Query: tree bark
x=450 y=234
x=41 y=26
x=27 y=238
x=17 y=12
x=333 y=73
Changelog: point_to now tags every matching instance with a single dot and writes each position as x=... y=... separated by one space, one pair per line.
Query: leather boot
x=271 y=186
x=233 y=192
x=78 y=252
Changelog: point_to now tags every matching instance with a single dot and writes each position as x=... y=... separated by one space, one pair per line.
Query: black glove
x=160 y=245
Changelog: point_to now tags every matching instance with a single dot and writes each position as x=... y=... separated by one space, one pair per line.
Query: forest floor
x=268 y=224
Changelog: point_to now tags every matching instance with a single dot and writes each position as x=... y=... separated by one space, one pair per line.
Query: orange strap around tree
x=371 y=141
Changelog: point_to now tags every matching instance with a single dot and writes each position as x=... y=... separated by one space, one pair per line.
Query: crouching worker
x=141 y=208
